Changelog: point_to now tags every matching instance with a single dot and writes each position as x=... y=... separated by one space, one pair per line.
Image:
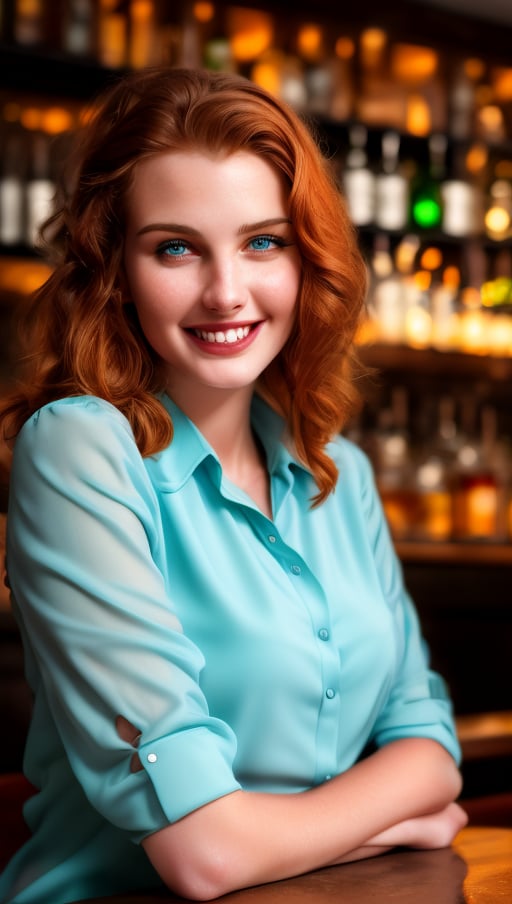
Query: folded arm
x=401 y=795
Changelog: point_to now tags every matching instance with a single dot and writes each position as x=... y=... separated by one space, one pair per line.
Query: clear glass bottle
x=12 y=188
x=358 y=180
x=433 y=476
x=391 y=187
x=394 y=465
x=479 y=501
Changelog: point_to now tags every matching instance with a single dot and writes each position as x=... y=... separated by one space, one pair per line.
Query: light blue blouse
x=250 y=653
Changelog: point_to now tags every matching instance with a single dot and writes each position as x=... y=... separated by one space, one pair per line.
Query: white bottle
x=358 y=181
x=12 y=191
x=40 y=189
x=391 y=187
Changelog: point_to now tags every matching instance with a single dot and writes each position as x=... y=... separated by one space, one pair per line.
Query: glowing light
x=203 y=11
x=418 y=116
x=502 y=84
x=474 y=68
x=55 y=120
x=267 y=74
x=418 y=327
x=309 y=41
x=497 y=221
x=476 y=158
x=345 y=48
x=373 y=42
x=431 y=259
x=31 y=118
x=250 y=33
x=413 y=64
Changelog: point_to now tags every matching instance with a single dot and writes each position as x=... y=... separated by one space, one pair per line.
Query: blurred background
x=413 y=108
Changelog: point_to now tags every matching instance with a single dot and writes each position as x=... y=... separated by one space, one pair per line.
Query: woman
x=230 y=685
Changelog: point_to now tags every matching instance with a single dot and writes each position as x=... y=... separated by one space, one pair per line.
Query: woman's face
x=212 y=266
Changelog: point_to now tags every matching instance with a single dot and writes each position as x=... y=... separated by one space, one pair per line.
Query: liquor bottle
x=29 y=22
x=40 y=188
x=391 y=187
x=12 y=187
x=426 y=199
x=387 y=298
x=358 y=180
x=78 y=35
x=479 y=488
x=393 y=465
x=462 y=201
x=433 y=476
x=112 y=34
x=142 y=43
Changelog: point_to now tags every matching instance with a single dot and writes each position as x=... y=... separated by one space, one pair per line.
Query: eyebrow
x=189 y=230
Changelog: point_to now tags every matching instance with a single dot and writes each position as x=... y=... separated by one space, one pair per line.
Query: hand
x=434 y=830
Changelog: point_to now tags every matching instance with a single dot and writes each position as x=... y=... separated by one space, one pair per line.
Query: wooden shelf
x=485 y=735
x=431 y=362
x=475 y=554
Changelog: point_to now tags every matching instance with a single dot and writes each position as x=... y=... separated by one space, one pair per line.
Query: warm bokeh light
x=22 y=279
x=55 y=120
x=503 y=170
x=422 y=279
x=372 y=44
x=418 y=327
x=310 y=41
x=345 y=48
x=413 y=64
x=490 y=119
x=203 y=11
x=451 y=277
x=31 y=118
x=267 y=74
x=431 y=259
x=474 y=68
x=250 y=33
x=497 y=221
x=502 y=84
x=418 y=116
x=477 y=158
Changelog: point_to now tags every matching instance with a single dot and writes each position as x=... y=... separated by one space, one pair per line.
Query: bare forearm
x=249 y=838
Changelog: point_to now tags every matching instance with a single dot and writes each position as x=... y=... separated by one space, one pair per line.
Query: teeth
x=229 y=336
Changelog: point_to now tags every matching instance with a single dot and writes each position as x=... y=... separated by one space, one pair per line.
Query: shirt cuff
x=189 y=769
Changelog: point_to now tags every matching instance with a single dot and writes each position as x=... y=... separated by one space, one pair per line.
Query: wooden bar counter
x=476 y=870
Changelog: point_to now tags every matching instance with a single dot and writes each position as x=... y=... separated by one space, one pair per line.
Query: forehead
x=201 y=177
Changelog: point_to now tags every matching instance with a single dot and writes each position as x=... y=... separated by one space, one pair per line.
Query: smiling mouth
x=223 y=337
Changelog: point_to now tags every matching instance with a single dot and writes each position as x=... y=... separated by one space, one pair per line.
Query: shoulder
x=74 y=417
x=75 y=433
x=350 y=460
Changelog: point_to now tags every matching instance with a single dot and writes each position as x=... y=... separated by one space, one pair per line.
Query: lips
x=232 y=338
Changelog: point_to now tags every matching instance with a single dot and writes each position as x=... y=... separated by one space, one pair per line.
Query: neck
x=224 y=419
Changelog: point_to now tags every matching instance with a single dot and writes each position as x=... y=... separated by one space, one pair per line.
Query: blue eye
x=173 y=248
x=265 y=242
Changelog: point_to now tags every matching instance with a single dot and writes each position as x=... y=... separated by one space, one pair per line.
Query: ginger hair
x=81 y=335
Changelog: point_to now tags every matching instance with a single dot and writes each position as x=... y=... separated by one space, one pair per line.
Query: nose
x=225 y=287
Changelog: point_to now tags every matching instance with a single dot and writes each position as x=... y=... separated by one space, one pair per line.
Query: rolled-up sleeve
x=419 y=703
x=87 y=569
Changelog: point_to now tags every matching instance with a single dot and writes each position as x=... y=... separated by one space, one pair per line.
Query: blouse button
x=323 y=634
x=271 y=538
x=330 y=693
x=152 y=757
x=295 y=569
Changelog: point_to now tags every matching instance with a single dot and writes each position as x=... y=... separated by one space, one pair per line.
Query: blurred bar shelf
x=473 y=554
x=432 y=362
